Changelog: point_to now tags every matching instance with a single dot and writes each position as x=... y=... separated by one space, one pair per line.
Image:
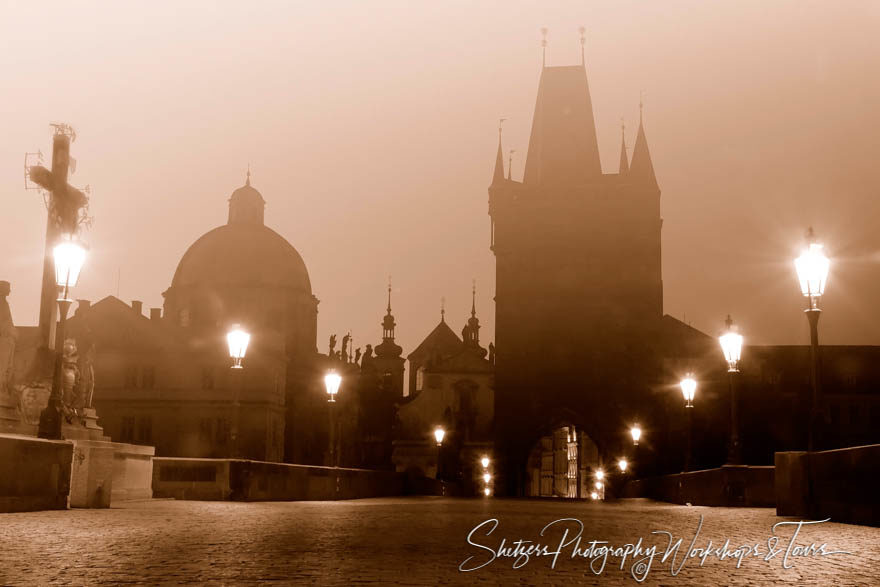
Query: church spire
x=247 y=181
x=498 y=177
x=388 y=348
x=474 y=299
x=443 y=309
x=642 y=168
x=624 y=161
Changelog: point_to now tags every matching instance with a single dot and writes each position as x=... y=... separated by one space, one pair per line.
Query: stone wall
x=241 y=480
x=730 y=485
x=34 y=473
x=837 y=484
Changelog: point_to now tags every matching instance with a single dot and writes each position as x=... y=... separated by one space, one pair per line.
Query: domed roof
x=243 y=252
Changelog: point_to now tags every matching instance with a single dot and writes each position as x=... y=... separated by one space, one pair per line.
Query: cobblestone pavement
x=408 y=541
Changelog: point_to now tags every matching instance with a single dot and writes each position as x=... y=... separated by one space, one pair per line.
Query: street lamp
x=485 y=462
x=69 y=256
x=487 y=492
x=622 y=465
x=731 y=345
x=332 y=381
x=688 y=390
x=487 y=477
x=237 y=340
x=812 y=269
x=600 y=474
x=636 y=433
x=439 y=434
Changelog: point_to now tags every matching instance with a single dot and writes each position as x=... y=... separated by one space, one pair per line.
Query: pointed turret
x=470 y=334
x=563 y=149
x=388 y=348
x=624 y=161
x=642 y=169
x=498 y=176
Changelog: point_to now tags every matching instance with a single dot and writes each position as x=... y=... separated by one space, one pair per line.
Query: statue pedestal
x=89 y=431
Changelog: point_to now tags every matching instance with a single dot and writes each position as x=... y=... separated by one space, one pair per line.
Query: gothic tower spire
x=498 y=176
x=642 y=168
x=624 y=161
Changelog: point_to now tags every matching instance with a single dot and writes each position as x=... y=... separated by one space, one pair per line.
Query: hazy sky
x=370 y=128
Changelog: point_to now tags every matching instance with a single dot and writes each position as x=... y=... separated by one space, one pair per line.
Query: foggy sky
x=370 y=128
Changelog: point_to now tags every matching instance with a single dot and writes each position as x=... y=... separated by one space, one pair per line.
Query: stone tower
x=579 y=291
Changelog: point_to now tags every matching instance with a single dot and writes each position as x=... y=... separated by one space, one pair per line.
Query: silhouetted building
x=166 y=380
x=579 y=295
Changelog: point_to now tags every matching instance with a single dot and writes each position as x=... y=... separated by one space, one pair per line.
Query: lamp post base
x=50 y=422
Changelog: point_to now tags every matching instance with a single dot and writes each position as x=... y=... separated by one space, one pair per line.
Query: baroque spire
x=498 y=176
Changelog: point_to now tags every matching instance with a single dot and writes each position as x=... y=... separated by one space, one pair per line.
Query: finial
x=500 y=126
x=510 y=163
x=474 y=298
x=729 y=322
x=544 y=47
x=582 y=31
x=641 y=104
x=443 y=309
x=389 y=294
x=622 y=127
x=811 y=236
x=248 y=180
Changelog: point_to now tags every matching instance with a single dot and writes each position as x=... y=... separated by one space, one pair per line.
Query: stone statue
x=491 y=353
x=72 y=404
x=344 y=352
x=357 y=355
x=86 y=365
x=7 y=339
x=368 y=355
x=332 y=352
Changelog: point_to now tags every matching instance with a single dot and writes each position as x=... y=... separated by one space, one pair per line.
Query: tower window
x=420 y=379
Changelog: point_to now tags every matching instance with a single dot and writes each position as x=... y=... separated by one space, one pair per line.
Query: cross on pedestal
x=65 y=213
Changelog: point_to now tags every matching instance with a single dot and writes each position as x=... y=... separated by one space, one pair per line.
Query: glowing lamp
x=487 y=477
x=600 y=474
x=594 y=495
x=636 y=433
x=487 y=492
x=731 y=345
x=332 y=380
x=69 y=256
x=238 y=340
x=598 y=485
x=688 y=389
x=812 y=269
x=485 y=462
x=622 y=465
x=439 y=434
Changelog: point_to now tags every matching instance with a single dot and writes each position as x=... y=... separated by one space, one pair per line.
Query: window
x=126 y=433
x=420 y=379
x=131 y=377
x=207 y=378
x=145 y=430
x=148 y=377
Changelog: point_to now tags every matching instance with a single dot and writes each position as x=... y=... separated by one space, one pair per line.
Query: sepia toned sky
x=370 y=128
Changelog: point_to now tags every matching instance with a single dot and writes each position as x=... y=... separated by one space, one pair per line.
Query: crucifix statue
x=67 y=210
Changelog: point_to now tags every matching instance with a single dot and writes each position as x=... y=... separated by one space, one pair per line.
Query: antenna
x=583 y=31
x=543 y=46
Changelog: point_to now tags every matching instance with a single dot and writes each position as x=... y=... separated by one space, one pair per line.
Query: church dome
x=243 y=253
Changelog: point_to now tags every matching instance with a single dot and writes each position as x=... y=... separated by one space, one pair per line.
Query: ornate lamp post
x=688 y=390
x=731 y=345
x=237 y=339
x=332 y=381
x=69 y=256
x=812 y=269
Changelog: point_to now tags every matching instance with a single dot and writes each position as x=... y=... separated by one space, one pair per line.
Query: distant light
x=598 y=485
x=332 y=381
x=237 y=339
x=439 y=434
x=600 y=474
x=487 y=477
x=688 y=389
x=485 y=462
x=487 y=492
x=622 y=465
x=594 y=495
x=636 y=433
